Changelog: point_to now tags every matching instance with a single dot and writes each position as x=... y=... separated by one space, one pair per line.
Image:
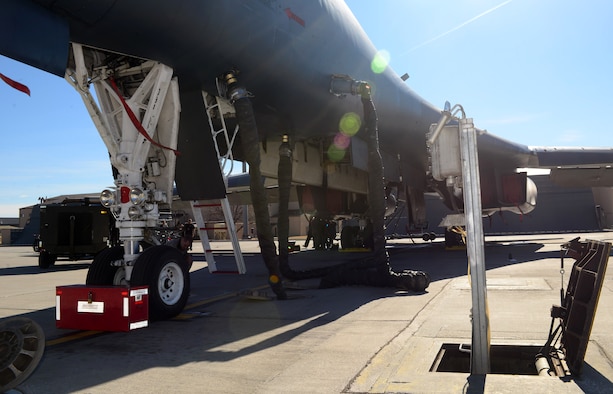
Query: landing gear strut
x=137 y=115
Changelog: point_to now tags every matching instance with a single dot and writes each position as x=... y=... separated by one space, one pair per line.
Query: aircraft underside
x=155 y=128
x=310 y=127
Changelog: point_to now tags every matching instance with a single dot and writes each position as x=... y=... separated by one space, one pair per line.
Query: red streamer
x=15 y=84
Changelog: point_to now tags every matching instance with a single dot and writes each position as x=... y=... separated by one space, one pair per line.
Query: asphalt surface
x=234 y=337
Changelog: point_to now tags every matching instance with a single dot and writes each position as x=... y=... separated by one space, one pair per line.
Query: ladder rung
x=207 y=205
x=211 y=104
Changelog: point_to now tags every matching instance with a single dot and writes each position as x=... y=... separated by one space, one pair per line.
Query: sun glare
x=380 y=61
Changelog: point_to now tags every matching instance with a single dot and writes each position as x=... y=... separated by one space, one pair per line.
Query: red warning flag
x=15 y=84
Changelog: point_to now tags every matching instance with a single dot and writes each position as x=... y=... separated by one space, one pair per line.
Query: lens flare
x=380 y=61
x=335 y=153
x=342 y=141
x=350 y=124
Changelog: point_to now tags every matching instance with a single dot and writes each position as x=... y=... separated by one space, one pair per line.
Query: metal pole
x=480 y=349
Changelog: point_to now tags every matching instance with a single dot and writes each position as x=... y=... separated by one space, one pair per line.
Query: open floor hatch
x=564 y=352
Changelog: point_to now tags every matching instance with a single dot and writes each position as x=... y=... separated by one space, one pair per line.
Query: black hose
x=376 y=184
x=250 y=142
x=284 y=173
x=377 y=271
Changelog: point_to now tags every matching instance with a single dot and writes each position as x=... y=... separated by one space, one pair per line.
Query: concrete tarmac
x=233 y=339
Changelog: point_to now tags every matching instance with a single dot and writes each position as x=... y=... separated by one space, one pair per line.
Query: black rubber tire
x=46 y=259
x=453 y=239
x=23 y=343
x=348 y=237
x=101 y=272
x=164 y=269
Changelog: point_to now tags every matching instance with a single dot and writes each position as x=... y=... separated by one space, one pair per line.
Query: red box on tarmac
x=101 y=308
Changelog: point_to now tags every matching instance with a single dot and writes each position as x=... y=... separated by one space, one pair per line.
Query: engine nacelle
x=513 y=192
x=530 y=203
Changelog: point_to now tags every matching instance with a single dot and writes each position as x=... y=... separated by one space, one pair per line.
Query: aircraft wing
x=554 y=157
x=577 y=167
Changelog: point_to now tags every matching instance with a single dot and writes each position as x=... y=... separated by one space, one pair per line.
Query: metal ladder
x=197 y=207
x=213 y=103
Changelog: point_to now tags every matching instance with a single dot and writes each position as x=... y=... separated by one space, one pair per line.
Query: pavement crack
x=602 y=352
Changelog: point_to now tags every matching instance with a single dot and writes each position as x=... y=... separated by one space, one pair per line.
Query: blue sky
x=534 y=72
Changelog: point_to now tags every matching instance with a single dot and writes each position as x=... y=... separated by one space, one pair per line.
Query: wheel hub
x=11 y=342
x=22 y=344
x=170 y=283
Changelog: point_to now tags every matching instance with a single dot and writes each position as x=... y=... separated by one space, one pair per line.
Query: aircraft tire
x=24 y=343
x=101 y=272
x=453 y=239
x=164 y=270
x=369 y=236
x=46 y=259
x=348 y=237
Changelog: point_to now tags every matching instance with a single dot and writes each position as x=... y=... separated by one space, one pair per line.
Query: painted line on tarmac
x=222 y=297
x=72 y=337
x=182 y=316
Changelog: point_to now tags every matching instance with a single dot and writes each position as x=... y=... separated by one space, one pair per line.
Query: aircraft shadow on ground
x=453 y=263
x=240 y=327
x=220 y=332
x=60 y=266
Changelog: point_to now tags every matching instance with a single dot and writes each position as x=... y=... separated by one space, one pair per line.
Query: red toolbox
x=101 y=308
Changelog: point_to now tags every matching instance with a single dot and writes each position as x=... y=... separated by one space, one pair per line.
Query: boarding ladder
x=213 y=106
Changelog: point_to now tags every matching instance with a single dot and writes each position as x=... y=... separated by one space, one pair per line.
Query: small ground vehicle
x=75 y=229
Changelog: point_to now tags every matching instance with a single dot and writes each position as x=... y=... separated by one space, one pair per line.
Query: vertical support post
x=480 y=349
